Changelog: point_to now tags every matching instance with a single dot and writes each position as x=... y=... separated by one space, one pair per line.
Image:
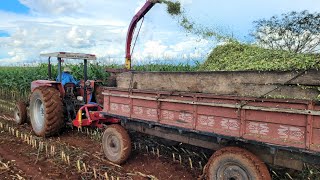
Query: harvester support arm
x=140 y=14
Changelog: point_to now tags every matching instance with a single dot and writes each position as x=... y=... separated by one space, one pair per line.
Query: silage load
x=236 y=56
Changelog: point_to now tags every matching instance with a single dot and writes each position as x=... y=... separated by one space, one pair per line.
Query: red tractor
x=52 y=104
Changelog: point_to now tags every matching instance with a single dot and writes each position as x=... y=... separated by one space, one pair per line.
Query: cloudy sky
x=31 y=27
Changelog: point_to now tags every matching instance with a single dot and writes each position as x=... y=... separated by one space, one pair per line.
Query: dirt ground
x=151 y=158
x=25 y=162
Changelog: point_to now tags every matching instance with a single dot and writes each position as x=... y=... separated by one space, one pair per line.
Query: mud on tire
x=46 y=111
x=116 y=144
x=20 y=112
x=235 y=163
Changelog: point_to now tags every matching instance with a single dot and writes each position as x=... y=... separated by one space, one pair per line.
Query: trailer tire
x=20 y=112
x=46 y=111
x=235 y=163
x=116 y=144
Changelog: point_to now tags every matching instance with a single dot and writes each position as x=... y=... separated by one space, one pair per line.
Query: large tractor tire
x=98 y=94
x=236 y=164
x=116 y=144
x=20 y=112
x=46 y=111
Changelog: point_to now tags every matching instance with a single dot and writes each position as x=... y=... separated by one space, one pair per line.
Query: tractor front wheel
x=46 y=111
x=20 y=112
x=116 y=144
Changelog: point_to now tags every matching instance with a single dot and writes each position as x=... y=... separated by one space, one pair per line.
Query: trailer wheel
x=116 y=144
x=233 y=163
x=20 y=112
x=46 y=111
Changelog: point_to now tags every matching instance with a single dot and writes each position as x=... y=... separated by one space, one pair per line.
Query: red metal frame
x=140 y=14
x=92 y=118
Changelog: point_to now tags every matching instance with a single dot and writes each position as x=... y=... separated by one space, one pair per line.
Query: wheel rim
x=38 y=112
x=112 y=145
x=232 y=171
x=17 y=114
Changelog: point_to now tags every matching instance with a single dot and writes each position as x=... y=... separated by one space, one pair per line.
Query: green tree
x=297 y=32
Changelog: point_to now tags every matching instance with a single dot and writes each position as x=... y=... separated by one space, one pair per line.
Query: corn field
x=18 y=79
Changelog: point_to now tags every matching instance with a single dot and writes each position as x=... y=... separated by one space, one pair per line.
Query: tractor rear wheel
x=20 y=112
x=46 y=111
x=116 y=144
x=233 y=163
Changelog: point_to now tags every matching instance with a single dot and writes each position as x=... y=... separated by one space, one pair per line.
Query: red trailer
x=283 y=132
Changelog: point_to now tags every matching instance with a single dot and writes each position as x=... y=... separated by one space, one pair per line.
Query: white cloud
x=155 y=48
x=185 y=48
x=100 y=26
x=52 y=6
x=79 y=38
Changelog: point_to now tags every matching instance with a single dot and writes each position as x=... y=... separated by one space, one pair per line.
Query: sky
x=31 y=27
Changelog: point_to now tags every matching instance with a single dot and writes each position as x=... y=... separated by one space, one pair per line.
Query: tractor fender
x=42 y=83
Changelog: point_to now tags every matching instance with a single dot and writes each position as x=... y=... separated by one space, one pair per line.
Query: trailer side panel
x=282 y=122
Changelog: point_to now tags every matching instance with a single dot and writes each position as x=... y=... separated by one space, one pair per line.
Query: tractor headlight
x=87 y=83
